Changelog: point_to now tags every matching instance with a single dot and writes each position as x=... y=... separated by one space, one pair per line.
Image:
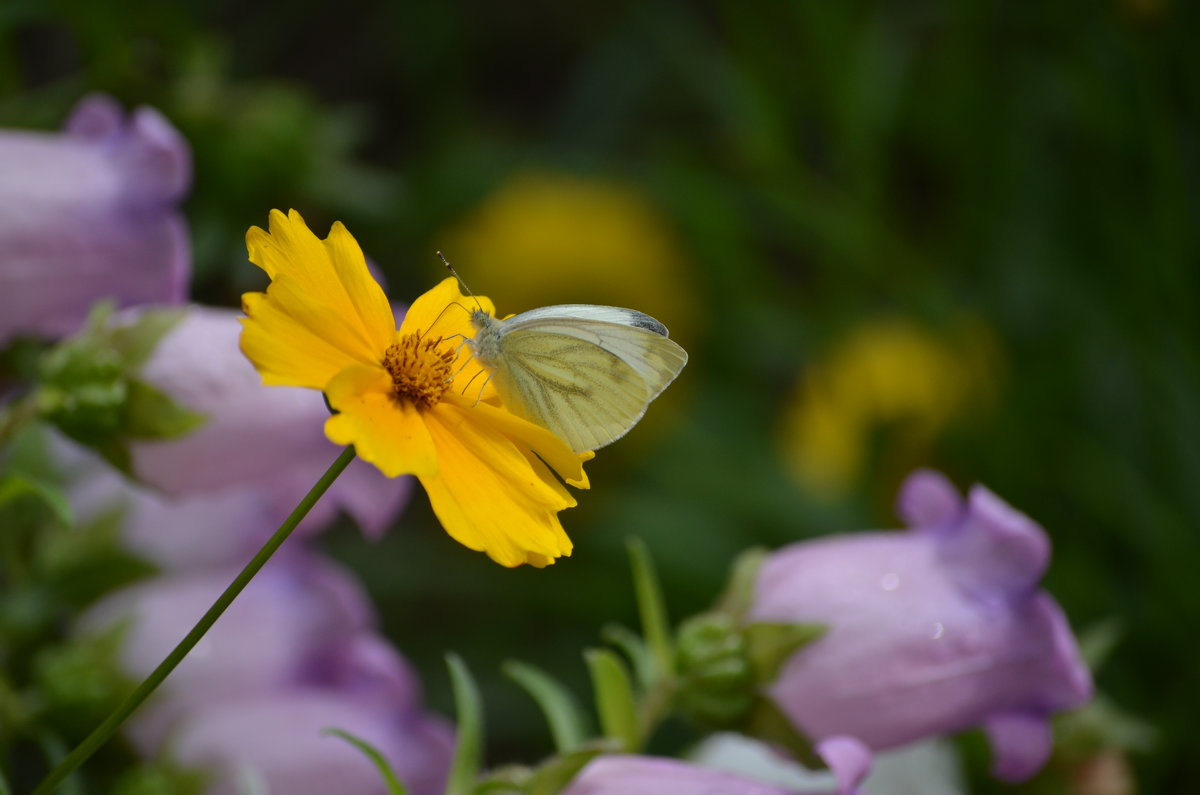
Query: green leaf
x=615 y=701
x=769 y=645
x=1097 y=642
x=5 y=789
x=14 y=487
x=160 y=778
x=394 y=787
x=468 y=754
x=767 y=722
x=652 y=608
x=568 y=726
x=150 y=414
x=555 y=774
x=55 y=750
x=739 y=593
x=634 y=648
x=136 y=341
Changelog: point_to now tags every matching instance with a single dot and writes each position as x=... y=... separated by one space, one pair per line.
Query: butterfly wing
x=588 y=380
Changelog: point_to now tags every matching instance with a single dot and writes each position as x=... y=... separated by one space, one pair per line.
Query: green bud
x=716 y=681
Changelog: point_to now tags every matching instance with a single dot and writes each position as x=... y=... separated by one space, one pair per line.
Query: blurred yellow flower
x=325 y=323
x=885 y=374
x=552 y=238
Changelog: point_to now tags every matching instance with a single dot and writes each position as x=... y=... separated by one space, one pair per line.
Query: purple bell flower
x=293 y=655
x=91 y=213
x=623 y=774
x=270 y=438
x=932 y=630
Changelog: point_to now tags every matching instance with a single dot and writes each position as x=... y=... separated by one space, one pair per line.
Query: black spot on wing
x=641 y=320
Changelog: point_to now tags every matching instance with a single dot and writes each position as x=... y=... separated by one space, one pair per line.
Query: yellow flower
x=402 y=397
x=886 y=374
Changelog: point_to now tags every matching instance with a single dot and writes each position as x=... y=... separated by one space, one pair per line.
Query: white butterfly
x=584 y=372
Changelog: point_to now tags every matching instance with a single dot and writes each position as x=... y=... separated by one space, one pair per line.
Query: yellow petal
x=322 y=286
x=550 y=448
x=285 y=351
x=492 y=496
x=432 y=311
x=389 y=433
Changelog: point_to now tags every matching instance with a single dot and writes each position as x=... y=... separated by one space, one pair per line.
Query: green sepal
x=568 y=726
x=150 y=414
x=390 y=780
x=504 y=780
x=616 y=703
x=769 y=645
x=135 y=342
x=738 y=596
x=553 y=775
x=161 y=778
x=765 y=721
x=468 y=751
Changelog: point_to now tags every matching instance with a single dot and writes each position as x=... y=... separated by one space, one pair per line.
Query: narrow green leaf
x=5 y=789
x=468 y=754
x=652 y=608
x=615 y=701
x=770 y=645
x=632 y=645
x=568 y=726
x=394 y=787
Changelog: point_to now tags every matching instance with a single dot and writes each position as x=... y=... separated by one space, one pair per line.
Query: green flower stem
x=110 y=725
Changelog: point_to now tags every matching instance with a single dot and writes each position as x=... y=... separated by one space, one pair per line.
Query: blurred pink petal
x=296 y=611
x=271 y=438
x=278 y=740
x=647 y=775
x=931 y=631
x=91 y=213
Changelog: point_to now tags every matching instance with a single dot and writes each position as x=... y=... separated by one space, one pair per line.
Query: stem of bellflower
x=105 y=730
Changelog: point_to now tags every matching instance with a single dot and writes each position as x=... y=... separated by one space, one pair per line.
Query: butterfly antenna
x=463 y=284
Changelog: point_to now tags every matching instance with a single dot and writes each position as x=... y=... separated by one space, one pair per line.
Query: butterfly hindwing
x=587 y=373
x=581 y=391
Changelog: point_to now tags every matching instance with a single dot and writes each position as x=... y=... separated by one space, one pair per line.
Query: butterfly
x=584 y=372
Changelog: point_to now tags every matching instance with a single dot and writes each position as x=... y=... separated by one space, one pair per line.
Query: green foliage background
x=823 y=163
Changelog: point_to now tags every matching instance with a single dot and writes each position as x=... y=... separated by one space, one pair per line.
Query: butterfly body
x=585 y=372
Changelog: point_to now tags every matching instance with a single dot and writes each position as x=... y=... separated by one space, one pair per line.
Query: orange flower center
x=420 y=372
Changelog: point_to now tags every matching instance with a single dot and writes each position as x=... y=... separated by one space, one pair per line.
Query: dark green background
x=1031 y=164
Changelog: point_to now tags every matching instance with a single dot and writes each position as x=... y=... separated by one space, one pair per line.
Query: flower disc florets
x=420 y=372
